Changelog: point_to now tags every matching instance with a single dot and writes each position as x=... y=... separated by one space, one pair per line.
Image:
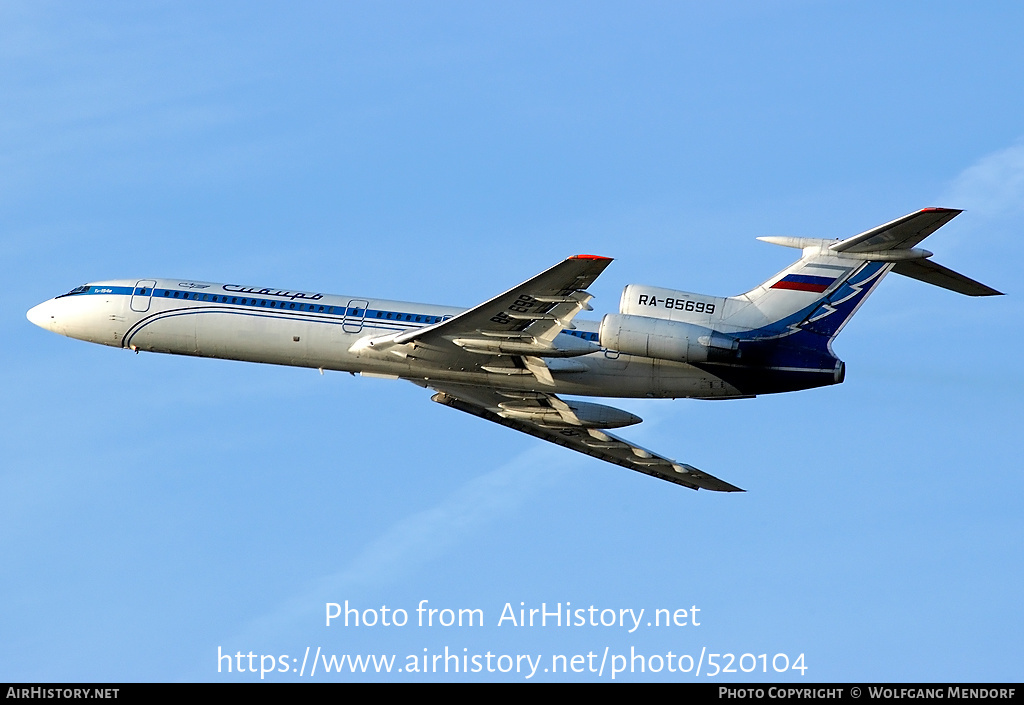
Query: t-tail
x=778 y=336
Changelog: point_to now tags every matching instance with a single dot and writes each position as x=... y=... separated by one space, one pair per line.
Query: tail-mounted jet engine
x=666 y=340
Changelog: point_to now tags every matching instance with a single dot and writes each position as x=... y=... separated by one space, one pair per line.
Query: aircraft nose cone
x=42 y=315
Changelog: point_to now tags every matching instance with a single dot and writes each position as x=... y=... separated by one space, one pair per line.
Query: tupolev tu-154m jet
x=507 y=359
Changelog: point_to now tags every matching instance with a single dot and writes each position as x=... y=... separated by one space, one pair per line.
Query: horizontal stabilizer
x=932 y=273
x=896 y=242
x=900 y=234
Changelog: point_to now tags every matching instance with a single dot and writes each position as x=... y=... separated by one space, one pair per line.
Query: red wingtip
x=590 y=257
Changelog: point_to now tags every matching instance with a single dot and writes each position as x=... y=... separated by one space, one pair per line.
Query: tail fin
x=833 y=277
x=788 y=323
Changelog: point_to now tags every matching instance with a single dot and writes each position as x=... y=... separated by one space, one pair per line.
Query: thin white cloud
x=420 y=538
x=993 y=186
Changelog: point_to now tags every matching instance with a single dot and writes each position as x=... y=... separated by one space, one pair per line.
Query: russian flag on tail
x=804 y=282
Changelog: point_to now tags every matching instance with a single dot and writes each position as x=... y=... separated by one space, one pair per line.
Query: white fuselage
x=288 y=327
x=507 y=359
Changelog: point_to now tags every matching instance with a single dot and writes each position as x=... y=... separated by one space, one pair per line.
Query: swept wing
x=512 y=333
x=515 y=333
x=575 y=425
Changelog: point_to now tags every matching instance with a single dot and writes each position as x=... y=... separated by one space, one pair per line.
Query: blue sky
x=154 y=509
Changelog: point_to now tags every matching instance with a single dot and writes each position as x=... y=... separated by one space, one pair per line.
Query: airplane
x=509 y=359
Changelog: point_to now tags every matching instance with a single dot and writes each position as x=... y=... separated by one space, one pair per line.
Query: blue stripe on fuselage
x=311 y=312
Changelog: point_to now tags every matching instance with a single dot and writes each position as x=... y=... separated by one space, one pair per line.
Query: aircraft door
x=142 y=294
x=354 y=315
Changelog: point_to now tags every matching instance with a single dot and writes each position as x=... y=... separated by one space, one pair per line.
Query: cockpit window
x=84 y=289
